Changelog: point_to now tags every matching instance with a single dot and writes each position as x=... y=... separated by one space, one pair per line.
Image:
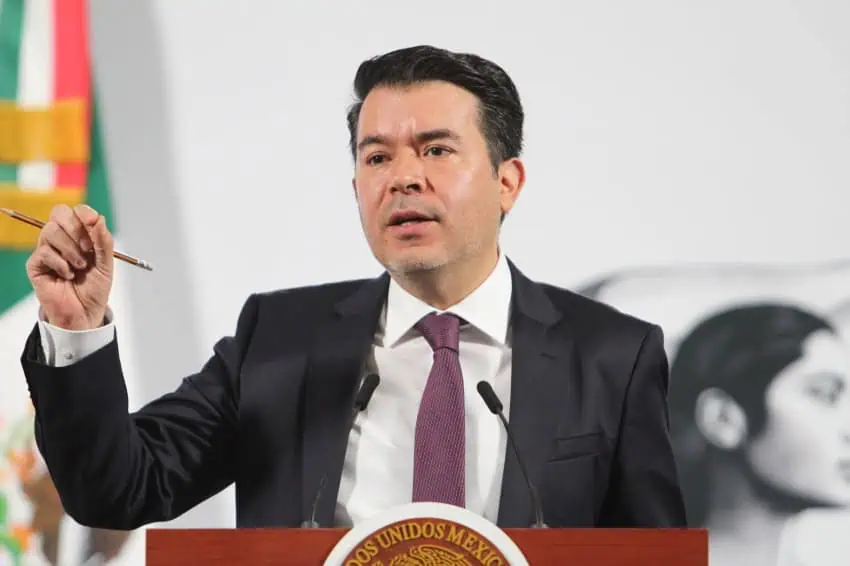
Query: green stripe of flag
x=97 y=190
x=14 y=284
x=11 y=25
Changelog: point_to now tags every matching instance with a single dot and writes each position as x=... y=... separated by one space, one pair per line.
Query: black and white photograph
x=759 y=400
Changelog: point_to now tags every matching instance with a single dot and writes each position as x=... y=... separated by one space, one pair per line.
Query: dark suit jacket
x=270 y=411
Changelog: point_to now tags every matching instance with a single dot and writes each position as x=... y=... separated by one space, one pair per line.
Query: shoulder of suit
x=592 y=315
x=313 y=298
x=330 y=292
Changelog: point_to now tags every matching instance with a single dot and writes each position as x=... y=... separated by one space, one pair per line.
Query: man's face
x=426 y=189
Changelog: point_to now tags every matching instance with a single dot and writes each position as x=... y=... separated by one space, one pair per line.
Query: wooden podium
x=306 y=547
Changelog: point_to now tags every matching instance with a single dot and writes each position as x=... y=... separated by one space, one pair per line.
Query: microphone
x=361 y=400
x=495 y=406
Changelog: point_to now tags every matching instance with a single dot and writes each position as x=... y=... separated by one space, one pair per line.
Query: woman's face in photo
x=804 y=448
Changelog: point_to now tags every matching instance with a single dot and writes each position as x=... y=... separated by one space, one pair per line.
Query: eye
x=826 y=388
x=437 y=151
x=376 y=159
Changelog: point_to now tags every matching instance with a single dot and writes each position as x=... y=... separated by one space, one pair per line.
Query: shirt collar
x=487 y=308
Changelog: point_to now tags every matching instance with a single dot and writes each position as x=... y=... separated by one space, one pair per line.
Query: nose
x=406 y=185
x=408 y=175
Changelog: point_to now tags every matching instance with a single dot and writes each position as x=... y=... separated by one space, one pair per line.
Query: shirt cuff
x=65 y=347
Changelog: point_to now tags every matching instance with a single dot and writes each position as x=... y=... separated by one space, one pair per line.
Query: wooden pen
x=39 y=224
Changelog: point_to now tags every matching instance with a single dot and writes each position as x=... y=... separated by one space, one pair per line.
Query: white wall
x=660 y=132
x=657 y=132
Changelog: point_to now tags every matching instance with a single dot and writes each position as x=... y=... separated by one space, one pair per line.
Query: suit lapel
x=540 y=382
x=333 y=376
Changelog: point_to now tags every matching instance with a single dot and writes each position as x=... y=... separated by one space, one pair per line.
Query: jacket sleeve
x=119 y=470
x=644 y=489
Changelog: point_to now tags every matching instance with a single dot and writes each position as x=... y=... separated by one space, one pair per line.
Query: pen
x=39 y=224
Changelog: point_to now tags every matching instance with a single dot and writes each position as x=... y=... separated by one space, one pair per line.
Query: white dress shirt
x=378 y=469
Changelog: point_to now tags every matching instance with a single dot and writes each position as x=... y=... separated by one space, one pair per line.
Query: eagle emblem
x=430 y=555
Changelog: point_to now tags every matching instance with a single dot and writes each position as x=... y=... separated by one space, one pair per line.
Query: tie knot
x=440 y=330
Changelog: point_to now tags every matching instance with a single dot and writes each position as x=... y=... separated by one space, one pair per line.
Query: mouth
x=409 y=217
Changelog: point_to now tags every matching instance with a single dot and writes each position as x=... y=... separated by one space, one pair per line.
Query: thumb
x=103 y=244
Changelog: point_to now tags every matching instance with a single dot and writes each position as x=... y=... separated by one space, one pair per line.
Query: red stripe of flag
x=71 y=74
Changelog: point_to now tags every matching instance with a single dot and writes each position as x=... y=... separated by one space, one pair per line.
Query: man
x=436 y=138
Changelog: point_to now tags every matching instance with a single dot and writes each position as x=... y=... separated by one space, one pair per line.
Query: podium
x=423 y=533
x=563 y=547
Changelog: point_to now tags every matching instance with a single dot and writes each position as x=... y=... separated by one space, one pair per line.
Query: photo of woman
x=759 y=400
x=760 y=415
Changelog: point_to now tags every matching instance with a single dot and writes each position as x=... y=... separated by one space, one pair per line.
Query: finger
x=87 y=215
x=48 y=260
x=103 y=244
x=54 y=236
x=70 y=221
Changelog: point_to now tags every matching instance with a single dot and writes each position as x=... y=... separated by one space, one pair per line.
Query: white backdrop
x=658 y=133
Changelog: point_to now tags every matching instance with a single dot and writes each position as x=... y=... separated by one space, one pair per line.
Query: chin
x=414 y=263
x=833 y=496
x=799 y=495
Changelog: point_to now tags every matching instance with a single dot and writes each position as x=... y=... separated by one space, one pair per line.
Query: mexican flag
x=51 y=153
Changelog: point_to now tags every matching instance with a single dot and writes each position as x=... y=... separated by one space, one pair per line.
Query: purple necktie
x=439 y=463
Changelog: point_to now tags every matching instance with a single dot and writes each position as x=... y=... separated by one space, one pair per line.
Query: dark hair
x=740 y=350
x=501 y=114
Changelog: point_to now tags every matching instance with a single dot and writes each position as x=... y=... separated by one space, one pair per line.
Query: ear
x=511 y=176
x=720 y=419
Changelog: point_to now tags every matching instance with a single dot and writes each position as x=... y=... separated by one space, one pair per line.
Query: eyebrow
x=421 y=137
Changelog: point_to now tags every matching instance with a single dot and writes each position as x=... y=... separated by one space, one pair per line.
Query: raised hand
x=72 y=269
